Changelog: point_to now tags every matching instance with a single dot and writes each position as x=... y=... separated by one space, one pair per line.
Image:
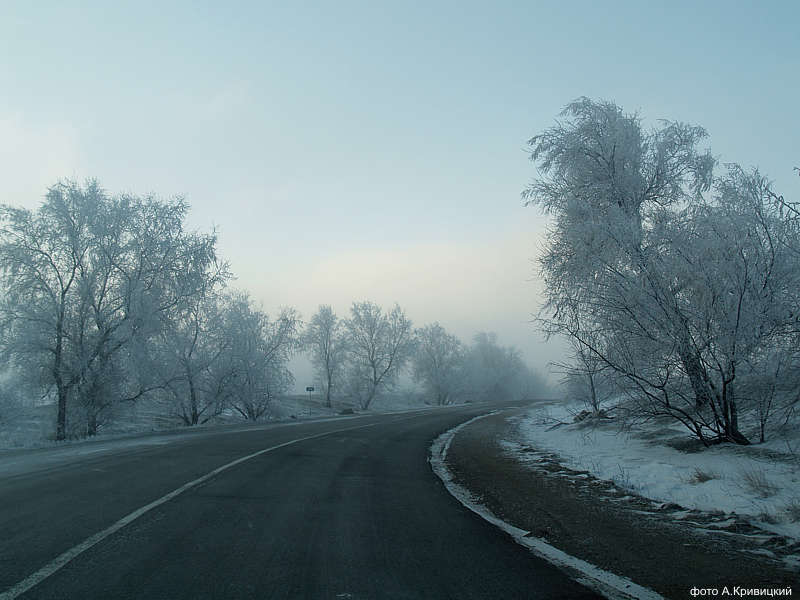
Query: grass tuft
x=793 y=510
x=700 y=476
x=756 y=481
x=768 y=517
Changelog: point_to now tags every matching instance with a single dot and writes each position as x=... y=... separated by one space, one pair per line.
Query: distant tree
x=17 y=394
x=380 y=345
x=253 y=370
x=193 y=340
x=586 y=379
x=438 y=362
x=492 y=372
x=326 y=340
x=87 y=277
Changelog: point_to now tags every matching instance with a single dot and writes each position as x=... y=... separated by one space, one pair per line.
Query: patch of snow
x=28 y=460
x=659 y=472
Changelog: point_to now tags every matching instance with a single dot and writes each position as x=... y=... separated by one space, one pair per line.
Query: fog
x=357 y=152
x=292 y=262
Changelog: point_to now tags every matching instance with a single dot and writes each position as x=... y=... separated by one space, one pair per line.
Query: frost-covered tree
x=88 y=276
x=143 y=270
x=586 y=379
x=438 y=362
x=192 y=342
x=494 y=373
x=740 y=281
x=326 y=340
x=671 y=280
x=380 y=345
x=253 y=372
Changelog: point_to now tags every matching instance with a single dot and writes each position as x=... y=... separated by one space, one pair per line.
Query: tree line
x=676 y=280
x=361 y=356
x=108 y=300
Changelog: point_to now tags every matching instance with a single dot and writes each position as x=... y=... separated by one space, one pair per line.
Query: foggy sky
x=351 y=151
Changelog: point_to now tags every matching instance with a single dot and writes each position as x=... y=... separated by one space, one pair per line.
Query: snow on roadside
x=32 y=427
x=14 y=461
x=655 y=470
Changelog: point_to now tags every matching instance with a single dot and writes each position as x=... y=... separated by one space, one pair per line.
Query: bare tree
x=142 y=269
x=192 y=342
x=380 y=345
x=492 y=372
x=326 y=340
x=586 y=379
x=678 y=288
x=86 y=275
x=40 y=254
x=438 y=362
x=252 y=372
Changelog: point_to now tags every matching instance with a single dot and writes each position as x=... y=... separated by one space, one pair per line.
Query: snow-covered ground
x=28 y=427
x=759 y=482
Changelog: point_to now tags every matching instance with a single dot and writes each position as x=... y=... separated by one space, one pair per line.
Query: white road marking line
x=62 y=559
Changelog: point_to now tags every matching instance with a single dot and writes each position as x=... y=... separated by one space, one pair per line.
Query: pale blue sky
x=375 y=150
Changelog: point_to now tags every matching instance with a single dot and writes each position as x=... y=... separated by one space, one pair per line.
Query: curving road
x=351 y=510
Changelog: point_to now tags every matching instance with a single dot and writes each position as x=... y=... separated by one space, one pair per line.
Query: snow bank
x=759 y=482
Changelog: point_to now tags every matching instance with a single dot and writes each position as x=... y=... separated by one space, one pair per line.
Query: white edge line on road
x=62 y=559
x=608 y=584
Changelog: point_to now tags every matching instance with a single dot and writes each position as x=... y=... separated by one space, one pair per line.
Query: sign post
x=310 y=390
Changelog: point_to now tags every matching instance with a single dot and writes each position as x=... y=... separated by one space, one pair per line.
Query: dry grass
x=768 y=517
x=756 y=481
x=793 y=510
x=700 y=476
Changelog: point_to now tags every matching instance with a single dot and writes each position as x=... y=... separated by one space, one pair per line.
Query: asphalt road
x=353 y=513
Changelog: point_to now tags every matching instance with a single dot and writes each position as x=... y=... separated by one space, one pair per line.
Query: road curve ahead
x=353 y=512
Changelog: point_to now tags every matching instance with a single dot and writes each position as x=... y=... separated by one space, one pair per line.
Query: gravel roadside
x=610 y=528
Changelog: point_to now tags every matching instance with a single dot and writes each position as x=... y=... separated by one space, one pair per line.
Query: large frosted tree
x=87 y=277
x=671 y=278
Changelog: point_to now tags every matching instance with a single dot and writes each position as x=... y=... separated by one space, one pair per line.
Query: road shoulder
x=618 y=533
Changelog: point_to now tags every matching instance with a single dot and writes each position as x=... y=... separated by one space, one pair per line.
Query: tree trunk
x=195 y=417
x=595 y=408
x=733 y=433
x=370 y=396
x=328 y=391
x=63 y=390
x=61 y=419
x=91 y=422
x=705 y=396
x=697 y=377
